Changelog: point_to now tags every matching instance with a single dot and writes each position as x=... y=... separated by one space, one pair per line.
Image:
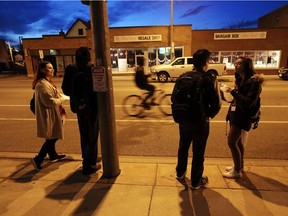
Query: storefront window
x=131 y=58
x=161 y=55
x=273 y=59
x=124 y=59
x=235 y=56
x=168 y=55
x=60 y=63
x=122 y=54
x=68 y=60
x=152 y=56
x=139 y=52
x=261 y=59
x=250 y=54
x=114 y=56
x=226 y=57
x=214 y=57
x=178 y=52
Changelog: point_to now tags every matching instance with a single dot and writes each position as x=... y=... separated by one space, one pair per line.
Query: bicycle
x=133 y=105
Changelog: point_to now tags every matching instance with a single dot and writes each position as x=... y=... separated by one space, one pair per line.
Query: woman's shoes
x=233 y=174
x=36 y=163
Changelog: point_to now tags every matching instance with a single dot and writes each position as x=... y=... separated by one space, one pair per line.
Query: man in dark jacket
x=88 y=115
x=141 y=80
x=198 y=132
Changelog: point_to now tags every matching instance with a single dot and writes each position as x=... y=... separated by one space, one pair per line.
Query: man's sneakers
x=233 y=174
x=57 y=158
x=36 y=163
x=180 y=176
x=201 y=184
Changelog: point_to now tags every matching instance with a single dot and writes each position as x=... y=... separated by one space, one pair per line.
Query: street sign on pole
x=99 y=79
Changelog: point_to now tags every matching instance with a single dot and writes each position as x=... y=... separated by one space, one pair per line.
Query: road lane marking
x=141 y=120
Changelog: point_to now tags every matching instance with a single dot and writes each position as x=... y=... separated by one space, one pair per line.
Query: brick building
x=267 y=47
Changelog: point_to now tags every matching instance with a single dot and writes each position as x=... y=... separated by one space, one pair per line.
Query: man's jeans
x=197 y=134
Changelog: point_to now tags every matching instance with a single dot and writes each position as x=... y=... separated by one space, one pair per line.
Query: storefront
x=267 y=47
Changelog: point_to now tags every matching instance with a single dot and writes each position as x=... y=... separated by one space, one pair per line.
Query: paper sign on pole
x=99 y=79
x=41 y=54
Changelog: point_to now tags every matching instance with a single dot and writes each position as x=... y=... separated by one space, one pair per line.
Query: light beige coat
x=48 y=118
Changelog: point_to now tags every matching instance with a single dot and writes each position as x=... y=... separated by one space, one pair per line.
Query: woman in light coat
x=49 y=114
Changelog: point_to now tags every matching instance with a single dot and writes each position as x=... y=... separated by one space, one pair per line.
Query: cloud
x=121 y=11
x=194 y=11
x=19 y=14
x=242 y=24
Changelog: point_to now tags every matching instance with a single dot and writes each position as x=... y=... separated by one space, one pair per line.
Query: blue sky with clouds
x=32 y=19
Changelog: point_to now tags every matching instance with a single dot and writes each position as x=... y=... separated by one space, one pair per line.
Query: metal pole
x=106 y=113
x=171 y=29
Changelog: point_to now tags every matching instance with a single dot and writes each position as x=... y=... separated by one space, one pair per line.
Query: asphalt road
x=154 y=135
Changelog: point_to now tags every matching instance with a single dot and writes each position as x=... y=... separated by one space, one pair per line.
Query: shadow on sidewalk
x=259 y=184
x=83 y=193
x=204 y=201
x=91 y=190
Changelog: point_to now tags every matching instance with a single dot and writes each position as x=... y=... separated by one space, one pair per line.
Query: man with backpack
x=78 y=84
x=195 y=99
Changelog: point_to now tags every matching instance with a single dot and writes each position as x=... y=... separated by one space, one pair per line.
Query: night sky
x=32 y=19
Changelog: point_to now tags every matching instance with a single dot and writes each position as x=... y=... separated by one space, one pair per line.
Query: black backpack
x=187 y=98
x=82 y=88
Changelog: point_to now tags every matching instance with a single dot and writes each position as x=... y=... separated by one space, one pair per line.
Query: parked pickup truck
x=179 y=66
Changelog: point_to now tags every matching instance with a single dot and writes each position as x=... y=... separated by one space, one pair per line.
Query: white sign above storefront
x=240 y=35
x=137 y=38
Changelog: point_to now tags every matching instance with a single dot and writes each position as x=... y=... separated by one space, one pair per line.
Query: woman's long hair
x=248 y=67
x=39 y=74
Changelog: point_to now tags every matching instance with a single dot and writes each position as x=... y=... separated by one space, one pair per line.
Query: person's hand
x=229 y=89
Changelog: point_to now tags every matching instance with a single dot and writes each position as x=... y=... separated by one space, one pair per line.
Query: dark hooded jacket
x=246 y=102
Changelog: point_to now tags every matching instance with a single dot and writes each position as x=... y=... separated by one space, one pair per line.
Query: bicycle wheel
x=165 y=104
x=132 y=105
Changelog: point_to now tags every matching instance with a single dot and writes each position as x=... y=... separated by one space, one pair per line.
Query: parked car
x=179 y=66
x=283 y=73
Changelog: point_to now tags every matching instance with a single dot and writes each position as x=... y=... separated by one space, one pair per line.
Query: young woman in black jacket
x=246 y=103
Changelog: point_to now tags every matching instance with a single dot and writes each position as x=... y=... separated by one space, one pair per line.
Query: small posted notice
x=99 y=79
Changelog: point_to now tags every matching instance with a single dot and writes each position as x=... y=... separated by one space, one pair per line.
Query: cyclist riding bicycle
x=141 y=80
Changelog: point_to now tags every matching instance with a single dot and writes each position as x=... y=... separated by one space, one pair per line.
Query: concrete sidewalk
x=146 y=186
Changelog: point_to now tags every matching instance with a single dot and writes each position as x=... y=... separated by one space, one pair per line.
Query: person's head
x=140 y=61
x=244 y=67
x=201 y=58
x=45 y=71
x=82 y=56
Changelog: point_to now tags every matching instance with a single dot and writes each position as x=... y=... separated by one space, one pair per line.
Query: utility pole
x=106 y=112
x=172 y=51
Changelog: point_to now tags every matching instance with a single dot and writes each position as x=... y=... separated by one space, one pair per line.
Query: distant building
x=275 y=19
x=4 y=57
